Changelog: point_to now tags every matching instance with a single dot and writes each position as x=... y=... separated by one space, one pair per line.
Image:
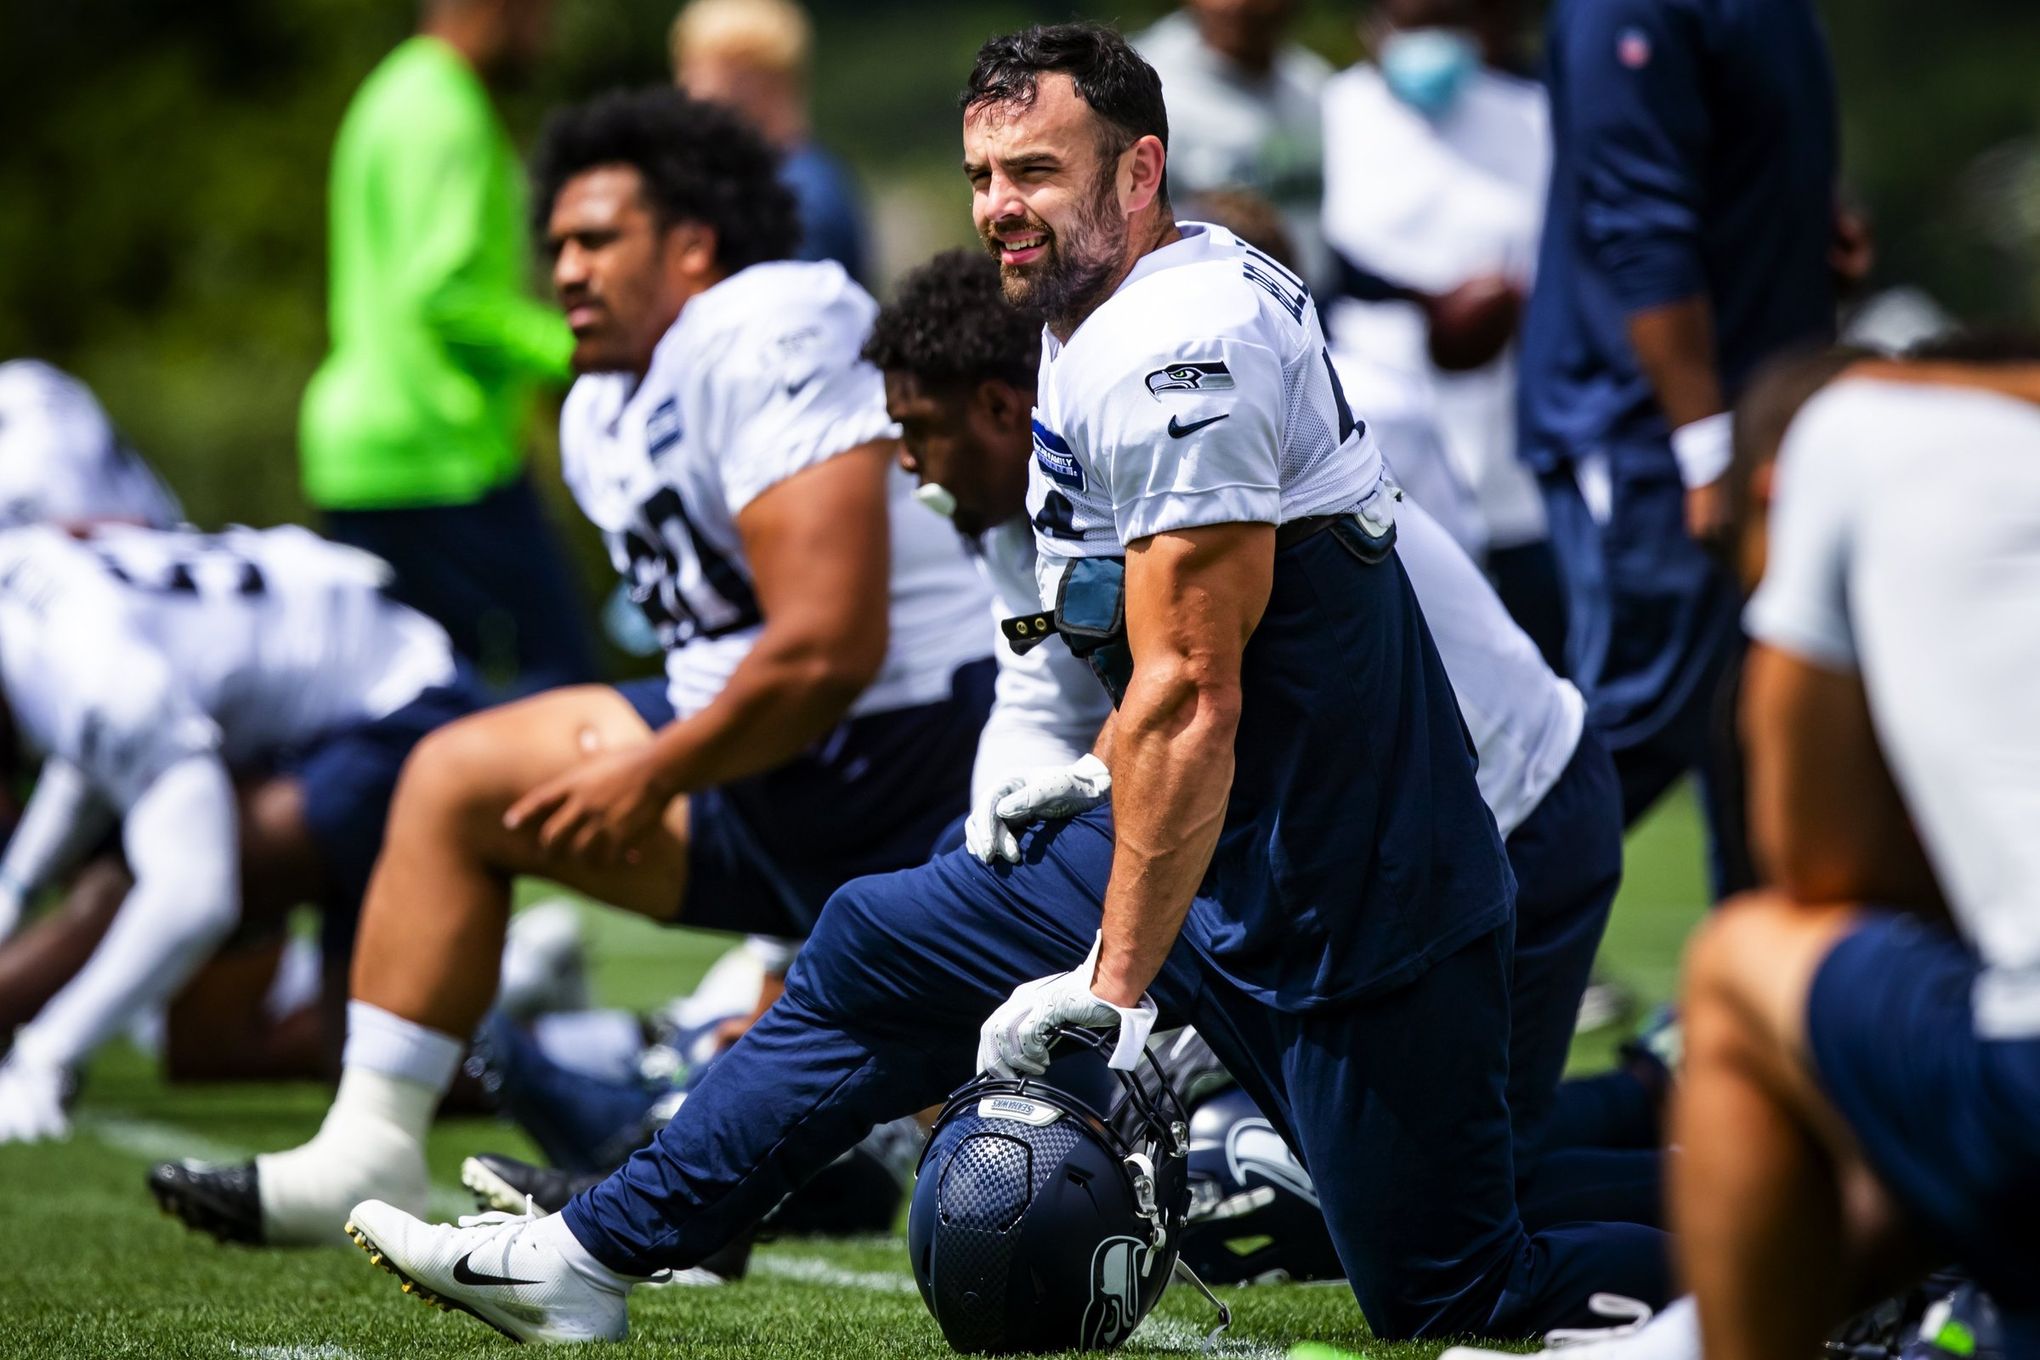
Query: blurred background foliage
x=162 y=177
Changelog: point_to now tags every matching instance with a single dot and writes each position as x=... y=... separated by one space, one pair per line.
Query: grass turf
x=94 y=1271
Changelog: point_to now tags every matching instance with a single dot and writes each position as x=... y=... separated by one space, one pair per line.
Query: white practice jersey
x=1525 y=721
x=1199 y=393
x=62 y=462
x=123 y=652
x=1048 y=706
x=1431 y=203
x=1905 y=544
x=758 y=379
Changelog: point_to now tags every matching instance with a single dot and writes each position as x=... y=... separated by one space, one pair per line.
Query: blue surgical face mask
x=1427 y=68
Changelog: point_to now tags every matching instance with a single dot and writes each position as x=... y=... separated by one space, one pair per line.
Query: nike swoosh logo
x=793 y=389
x=462 y=1275
x=1179 y=430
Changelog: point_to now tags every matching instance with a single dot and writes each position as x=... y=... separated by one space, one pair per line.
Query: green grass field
x=93 y=1270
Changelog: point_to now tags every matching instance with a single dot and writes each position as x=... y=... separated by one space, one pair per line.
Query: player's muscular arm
x=1826 y=822
x=1675 y=346
x=820 y=553
x=1193 y=598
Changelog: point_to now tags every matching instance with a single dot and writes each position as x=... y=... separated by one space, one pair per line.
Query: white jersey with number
x=62 y=462
x=758 y=379
x=1199 y=393
x=1905 y=545
x=127 y=650
x=1047 y=706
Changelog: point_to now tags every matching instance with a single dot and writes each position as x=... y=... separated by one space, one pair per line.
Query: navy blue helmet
x=1049 y=1210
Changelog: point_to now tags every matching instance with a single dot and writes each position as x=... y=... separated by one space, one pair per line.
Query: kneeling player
x=828 y=667
x=148 y=669
x=959 y=363
x=1861 y=1098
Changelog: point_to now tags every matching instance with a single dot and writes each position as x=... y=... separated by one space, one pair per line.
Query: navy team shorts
x=349 y=777
x=873 y=796
x=1948 y=1120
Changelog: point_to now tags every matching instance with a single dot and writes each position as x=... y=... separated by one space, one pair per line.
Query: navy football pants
x=1397 y=1103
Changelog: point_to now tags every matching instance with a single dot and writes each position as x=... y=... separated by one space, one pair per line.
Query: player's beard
x=1079 y=267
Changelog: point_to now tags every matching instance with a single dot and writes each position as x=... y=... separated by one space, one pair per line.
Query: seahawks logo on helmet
x=1115 y=1293
x=1196 y=376
x=1253 y=1145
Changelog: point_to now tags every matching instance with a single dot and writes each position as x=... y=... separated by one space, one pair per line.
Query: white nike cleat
x=511 y=1271
x=1673 y=1334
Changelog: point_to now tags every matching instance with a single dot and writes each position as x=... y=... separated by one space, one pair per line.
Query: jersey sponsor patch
x=1053 y=453
x=662 y=427
x=1199 y=375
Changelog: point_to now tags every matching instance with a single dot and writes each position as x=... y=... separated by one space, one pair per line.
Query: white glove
x=1014 y=1040
x=31 y=1101
x=1041 y=795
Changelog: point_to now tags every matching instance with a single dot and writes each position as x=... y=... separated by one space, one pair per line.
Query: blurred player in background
x=149 y=670
x=1437 y=157
x=1687 y=237
x=1244 y=110
x=61 y=460
x=413 y=429
x=1861 y=1093
x=827 y=665
x=755 y=56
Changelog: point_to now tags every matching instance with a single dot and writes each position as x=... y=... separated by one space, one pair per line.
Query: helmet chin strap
x=1183 y=1272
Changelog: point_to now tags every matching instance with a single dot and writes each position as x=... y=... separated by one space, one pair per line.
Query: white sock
x=372 y=1143
x=388 y=1043
x=553 y=1231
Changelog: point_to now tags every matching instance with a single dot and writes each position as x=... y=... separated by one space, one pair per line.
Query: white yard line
x=327 y=1351
x=814 y=1270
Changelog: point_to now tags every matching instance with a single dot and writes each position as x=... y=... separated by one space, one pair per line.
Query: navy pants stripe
x=1397 y=1103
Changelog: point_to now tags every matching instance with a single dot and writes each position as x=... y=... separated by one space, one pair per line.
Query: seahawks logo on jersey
x=1197 y=376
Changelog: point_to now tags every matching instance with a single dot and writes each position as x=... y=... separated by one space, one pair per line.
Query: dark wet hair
x=1116 y=81
x=700 y=162
x=949 y=323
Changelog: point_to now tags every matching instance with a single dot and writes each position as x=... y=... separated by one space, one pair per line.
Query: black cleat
x=502 y=1183
x=220 y=1200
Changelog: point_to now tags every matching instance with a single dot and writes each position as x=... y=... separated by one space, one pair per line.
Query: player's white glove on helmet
x=32 y=1101
x=1014 y=1040
x=1041 y=795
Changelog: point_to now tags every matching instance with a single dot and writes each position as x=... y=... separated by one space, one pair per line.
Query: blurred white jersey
x=1429 y=204
x=1048 y=706
x=1199 y=393
x=1905 y=544
x=128 y=650
x=758 y=379
x=62 y=462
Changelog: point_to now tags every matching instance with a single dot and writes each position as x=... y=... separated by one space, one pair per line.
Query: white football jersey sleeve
x=1200 y=393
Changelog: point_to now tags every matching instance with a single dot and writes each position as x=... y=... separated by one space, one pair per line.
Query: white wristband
x=1702 y=449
